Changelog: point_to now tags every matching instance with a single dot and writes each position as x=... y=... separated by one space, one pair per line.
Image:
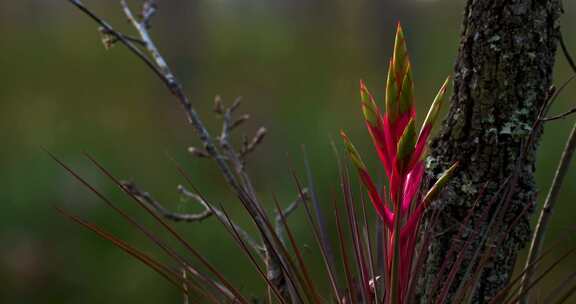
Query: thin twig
x=573 y=66
x=121 y=38
x=239 y=121
x=560 y=116
x=149 y=8
x=227 y=126
x=146 y=198
x=109 y=39
x=566 y=51
x=250 y=146
x=301 y=198
x=238 y=160
x=142 y=28
x=287 y=211
x=235 y=158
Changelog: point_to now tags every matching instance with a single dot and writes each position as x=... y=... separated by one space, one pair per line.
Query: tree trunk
x=502 y=77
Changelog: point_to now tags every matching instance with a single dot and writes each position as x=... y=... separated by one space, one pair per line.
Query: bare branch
x=228 y=123
x=566 y=51
x=108 y=39
x=572 y=65
x=146 y=198
x=149 y=8
x=560 y=116
x=121 y=38
x=142 y=29
x=236 y=104
x=226 y=128
x=232 y=156
x=239 y=121
x=256 y=140
x=288 y=210
x=301 y=198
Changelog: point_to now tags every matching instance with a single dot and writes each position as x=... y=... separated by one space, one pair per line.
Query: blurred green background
x=296 y=63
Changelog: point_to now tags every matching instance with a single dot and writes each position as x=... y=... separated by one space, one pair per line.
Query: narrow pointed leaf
x=436 y=105
x=440 y=183
x=412 y=185
x=142 y=257
x=406 y=144
x=236 y=293
x=406 y=101
x=369 y=108
x=428 y=198
x=352 y=152
x=391 y=93
x=400 y=56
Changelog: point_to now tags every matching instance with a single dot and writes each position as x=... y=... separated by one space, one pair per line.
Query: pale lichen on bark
x=502 y=77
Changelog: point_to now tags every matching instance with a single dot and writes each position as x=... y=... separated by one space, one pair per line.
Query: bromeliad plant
x=401 y=153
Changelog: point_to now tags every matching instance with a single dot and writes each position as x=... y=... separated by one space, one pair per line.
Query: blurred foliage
x=297 y=64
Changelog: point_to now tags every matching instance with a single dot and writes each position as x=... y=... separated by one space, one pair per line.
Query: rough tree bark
x=502 y=76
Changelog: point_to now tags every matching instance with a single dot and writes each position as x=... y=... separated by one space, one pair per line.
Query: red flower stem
x=395 y=273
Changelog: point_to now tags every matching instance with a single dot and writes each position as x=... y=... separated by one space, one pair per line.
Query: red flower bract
x=401 y=152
